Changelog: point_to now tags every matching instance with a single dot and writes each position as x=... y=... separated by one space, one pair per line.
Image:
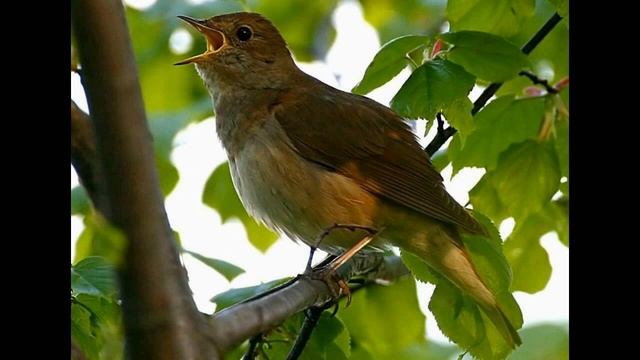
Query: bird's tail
x=451 y=260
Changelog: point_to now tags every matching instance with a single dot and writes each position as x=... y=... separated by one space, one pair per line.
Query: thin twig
x=311 y=319
x=441 y=136
x=254 y=342
x=438 y=141
x=537 y=81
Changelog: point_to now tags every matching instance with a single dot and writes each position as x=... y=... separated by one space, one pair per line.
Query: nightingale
x=304 y=156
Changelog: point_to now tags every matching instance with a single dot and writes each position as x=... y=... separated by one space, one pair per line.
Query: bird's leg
x=326 y=232
x=329 y=273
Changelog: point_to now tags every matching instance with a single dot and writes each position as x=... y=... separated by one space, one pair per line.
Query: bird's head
x=243 y=50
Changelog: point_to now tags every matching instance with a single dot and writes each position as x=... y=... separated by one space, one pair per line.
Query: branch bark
x=490 y=90
x=237 y=323
x=161 y=320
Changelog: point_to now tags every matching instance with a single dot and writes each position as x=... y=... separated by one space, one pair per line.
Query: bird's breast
x=295 y=196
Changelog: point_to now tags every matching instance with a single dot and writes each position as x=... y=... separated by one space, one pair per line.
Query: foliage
x=521 y=140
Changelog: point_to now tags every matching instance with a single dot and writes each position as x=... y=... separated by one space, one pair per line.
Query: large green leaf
x=432 y=87
x=503 y=122
x=561 y=142
x=543 y=342
x=80 y=204
x=93 y=276
x=529 y=260
x=487 y=56
x=461 y=320
x=527 y=176
x=485 y=199
x=393 y=18
x=311 y=34
x=385 y=312
x=99 y=238
x=420 y=269
x=501 y=17
x=233 y=296
x=228 y=270
x=550 y=59
x=562 y=7
x=220 y=194
x=389 y=61
x=81 y=333
x=329 y=340
x=459 y=317
x=458 y=114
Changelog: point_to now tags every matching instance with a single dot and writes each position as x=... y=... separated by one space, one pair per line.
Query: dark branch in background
x=488 y=92
x=311 y=318
x=254 y=342
x=161 y=320
x=537 y=81
x=441 y=136
x=235 y=324
x=85 y=158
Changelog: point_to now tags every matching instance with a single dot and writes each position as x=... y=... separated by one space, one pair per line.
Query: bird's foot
x=336 y=283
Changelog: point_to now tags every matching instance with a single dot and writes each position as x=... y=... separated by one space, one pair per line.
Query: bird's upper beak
x=215 y=39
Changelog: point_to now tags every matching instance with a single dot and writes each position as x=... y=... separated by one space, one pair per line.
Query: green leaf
x=500 y=17
x=311 y=34
x=504 y=121
x=487 y=56
x=458 y=114
x=389 y=61
x=459 y=317
x=420 y=269
x=432 y=87
x=93 y=276
x=81 y=333
x=427 y=350
x=440 y=159
x=484 y=198
x=80 y=204
x=562 y=7
x=220 y=195
x=526 y=178
x=543 y=342
x=228 y=270
x=102 y=310
x=329 y=340
x=561 y=142
x=392 y=18
x=529 y=260
x=461 y=320
x=99 y=238
x=489 y=262
x=233 y=296
x=372 y=317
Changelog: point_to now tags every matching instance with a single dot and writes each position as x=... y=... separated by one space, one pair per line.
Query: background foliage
x=520 y=138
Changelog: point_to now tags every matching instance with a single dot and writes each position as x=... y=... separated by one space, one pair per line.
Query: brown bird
x=304 y=156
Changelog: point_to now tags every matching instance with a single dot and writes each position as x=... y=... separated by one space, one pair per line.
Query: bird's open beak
x=215 y=39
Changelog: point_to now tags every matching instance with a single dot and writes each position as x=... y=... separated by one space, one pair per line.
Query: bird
x=304 y=156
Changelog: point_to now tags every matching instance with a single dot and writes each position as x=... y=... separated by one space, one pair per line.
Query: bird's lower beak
x=215 y=39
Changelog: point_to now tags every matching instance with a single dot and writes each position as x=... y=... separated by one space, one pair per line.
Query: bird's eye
x=244 y=33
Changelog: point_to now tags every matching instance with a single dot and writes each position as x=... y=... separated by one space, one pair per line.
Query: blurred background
x=334 y=41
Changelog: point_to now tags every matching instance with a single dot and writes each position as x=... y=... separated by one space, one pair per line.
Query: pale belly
x=297 y=197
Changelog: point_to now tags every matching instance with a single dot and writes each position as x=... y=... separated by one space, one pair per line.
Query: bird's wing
x=361 y=139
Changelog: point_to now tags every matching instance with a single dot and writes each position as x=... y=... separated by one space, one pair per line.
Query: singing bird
x=304 y=156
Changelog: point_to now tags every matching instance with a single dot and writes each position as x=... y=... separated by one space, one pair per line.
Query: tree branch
x=235 y=324
x=85 y=158
x=490 y=90
x=311 y=319
x=537 y=81
x=161 y=320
